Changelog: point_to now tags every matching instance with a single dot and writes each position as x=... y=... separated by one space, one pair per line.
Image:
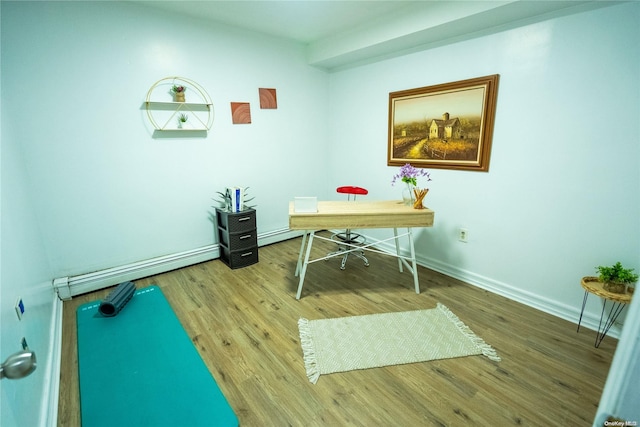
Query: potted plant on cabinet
x=616 y=278
x=235 y=202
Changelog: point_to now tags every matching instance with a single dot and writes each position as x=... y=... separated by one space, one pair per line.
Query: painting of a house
x=445 y=128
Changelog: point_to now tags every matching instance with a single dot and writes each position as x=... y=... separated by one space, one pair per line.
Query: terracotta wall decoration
x=240 y=113
x=268 y=100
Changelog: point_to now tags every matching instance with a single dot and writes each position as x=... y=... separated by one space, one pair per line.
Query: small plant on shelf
x=178 y=92
x=182 y=119
x=616 y=278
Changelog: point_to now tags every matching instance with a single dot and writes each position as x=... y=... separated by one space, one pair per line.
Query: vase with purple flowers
x=411 y=194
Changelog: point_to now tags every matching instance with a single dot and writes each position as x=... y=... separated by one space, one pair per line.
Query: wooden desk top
x=596 y=287
x=360 y=214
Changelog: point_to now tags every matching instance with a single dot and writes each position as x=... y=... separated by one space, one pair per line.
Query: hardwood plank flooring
x=244 y=324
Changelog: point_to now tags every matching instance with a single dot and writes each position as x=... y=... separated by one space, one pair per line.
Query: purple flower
x=410 y=174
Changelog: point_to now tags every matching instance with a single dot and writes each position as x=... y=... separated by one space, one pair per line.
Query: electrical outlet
x=463 y=235
x=19 y=308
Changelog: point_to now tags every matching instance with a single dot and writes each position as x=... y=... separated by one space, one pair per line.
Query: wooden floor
x=244 y=324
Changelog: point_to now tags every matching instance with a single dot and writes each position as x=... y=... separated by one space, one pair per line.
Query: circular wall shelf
x=164 y=112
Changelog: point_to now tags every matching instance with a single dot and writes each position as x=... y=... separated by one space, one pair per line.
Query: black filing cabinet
x=238 y=237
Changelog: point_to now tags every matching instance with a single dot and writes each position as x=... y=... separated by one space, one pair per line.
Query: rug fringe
x=308 y=351
x=487 y=350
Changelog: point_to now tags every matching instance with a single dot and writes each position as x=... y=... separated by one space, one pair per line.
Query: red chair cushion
x=349 y=189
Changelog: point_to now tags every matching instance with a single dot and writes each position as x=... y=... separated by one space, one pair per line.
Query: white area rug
x=374 y=340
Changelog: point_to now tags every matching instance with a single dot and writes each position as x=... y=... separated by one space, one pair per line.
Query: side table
x=592 y=285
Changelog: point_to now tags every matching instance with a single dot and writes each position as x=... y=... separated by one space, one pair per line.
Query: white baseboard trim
x=547 y=305
x=276 y=236
x=49 y=411
x=68 y=287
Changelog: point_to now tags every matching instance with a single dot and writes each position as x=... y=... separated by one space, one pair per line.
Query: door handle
x=18 y=365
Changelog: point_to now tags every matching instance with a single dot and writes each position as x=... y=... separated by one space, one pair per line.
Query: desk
x=359 y=215
x=592 y=285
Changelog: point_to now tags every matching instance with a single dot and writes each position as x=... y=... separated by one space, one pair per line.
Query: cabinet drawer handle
x=246 y=254
x=248 y=236
x=246 y=218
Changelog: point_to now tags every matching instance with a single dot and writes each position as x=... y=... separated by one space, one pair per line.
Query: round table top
x=594 y=286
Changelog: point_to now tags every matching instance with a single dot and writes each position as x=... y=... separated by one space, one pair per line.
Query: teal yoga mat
x=140 y=368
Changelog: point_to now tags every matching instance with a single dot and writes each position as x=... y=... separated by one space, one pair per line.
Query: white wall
x=563 y=191
x=25 y=274
x=106 y=192
x=85 y=186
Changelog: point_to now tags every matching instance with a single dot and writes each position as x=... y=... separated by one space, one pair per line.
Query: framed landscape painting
x=446 y=126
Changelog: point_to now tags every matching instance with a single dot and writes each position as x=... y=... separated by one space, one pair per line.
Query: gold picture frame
x=446 y=126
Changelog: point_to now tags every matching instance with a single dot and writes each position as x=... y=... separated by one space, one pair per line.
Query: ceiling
x=339 y=34
x=303 y=21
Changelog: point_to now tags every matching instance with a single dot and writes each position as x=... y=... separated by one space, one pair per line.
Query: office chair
x=347 y=239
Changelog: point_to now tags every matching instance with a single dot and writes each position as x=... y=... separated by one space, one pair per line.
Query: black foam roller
x=117 y=299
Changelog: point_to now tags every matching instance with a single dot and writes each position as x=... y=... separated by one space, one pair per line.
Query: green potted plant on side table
x=616 y=278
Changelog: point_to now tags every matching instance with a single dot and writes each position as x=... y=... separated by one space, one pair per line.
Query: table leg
x=304 y=265
x=584 y=303
x=304 y=240
x=614 y=312
x=395 y=235
x=413 y=261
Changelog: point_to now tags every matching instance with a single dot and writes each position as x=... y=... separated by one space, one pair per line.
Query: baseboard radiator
x=68 y=287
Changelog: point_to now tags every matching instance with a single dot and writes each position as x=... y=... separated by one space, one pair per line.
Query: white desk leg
x=395 y=235
x=304 y=240
x=304 y=266
x=413 y=262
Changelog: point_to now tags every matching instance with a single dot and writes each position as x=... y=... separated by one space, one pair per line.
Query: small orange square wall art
x=241 y=113
x=268 y=100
